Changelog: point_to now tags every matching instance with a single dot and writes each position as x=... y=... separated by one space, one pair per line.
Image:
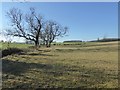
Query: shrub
x=11 y=51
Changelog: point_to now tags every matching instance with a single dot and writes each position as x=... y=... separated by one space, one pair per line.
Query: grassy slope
x=13 y=45
x=63 y=66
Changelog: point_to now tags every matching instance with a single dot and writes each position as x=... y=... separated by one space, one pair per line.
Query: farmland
x=85 y=65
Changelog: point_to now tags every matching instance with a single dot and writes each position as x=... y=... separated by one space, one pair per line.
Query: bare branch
x=30 y=28
x=53 y=30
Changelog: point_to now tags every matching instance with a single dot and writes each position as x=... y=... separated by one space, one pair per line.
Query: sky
x=85 y=20
x=60 y=0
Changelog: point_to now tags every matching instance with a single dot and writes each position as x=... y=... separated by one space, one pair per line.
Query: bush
x=31 y=47
x=11 y=51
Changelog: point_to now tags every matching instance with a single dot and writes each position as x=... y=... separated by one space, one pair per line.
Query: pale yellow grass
x=88 y=67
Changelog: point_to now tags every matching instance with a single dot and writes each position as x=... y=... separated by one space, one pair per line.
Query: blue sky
x=86 y=20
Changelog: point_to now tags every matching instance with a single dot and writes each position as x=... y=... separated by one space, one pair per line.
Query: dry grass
x=63 y=66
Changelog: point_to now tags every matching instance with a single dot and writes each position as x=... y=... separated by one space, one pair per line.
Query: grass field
x=93 y=65
x=4 y=45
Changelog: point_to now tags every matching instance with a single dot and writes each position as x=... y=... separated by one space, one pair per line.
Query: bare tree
x=51 y=31
x=27 y=26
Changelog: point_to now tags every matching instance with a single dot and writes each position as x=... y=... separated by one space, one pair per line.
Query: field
x=89 y=65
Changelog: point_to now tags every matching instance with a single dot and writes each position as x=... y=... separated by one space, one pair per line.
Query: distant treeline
x=72 y=41
x=106 y=40
x=98 y=40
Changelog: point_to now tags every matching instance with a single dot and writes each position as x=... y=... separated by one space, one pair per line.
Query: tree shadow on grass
x=41 y=54
x=11 y=51
x=86 y=76
x=38 y=53
x=17 y=68
x=44 y=50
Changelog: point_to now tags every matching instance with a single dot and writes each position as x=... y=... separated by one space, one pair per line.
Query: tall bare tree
x=52 y=30
x=27 y=25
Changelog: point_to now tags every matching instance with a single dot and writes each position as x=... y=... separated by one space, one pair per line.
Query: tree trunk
x=36 y=44
x=48 y=44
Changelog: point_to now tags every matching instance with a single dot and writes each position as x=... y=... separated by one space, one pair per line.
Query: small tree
x=51 y=31
x=98 y=39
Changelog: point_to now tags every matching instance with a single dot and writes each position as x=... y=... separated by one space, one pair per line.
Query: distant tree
x=1 y=41
x=27 y=26
x=98 y=39
x=7 y=37
x=51 y=31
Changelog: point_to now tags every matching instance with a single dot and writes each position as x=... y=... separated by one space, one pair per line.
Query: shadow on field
x=44 y=50
x=41 y=54
x=73 y=76
x=17 y=68
x=11 y=51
